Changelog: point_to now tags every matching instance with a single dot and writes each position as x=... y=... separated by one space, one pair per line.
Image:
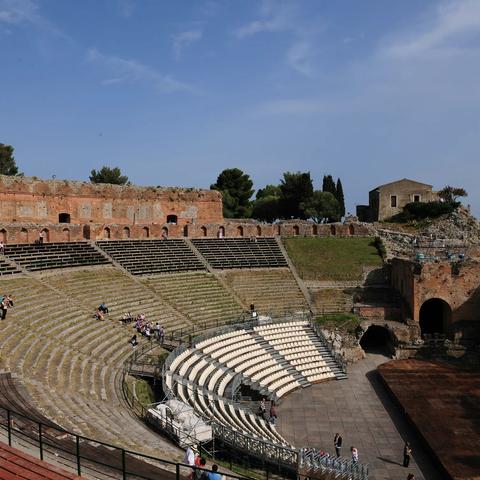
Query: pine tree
x=340 y=198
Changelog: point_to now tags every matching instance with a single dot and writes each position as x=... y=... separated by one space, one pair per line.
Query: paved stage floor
x=361 y=410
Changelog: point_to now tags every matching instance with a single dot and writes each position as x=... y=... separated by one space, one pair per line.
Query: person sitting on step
x=103 y=308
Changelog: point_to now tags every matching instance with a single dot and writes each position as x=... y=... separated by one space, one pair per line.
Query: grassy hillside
x=332 y=258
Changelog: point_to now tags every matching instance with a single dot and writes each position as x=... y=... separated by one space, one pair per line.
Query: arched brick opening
x=145 y=232
x=221 y=232
x=239 y=231
x=351 y=229
x=296 y=230
x=377 y=339
x=315 y=230
x=259 y=231
x=106 y=233
x=86 y=232
x=435 y=317
x=204 y=231
x=126 y=232
x=164 y=232
x=66 y=235
x=23 y=235
x=333 y=230
x=279 y=230
x=3 y=235
x=46 y=235
x=185 y=231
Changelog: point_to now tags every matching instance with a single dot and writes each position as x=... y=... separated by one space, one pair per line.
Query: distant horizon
x=175 y=92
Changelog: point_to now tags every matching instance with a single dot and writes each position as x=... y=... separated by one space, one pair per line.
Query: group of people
x=262 y=411
x=198 y=463
x=6 y=302
x=147 y=329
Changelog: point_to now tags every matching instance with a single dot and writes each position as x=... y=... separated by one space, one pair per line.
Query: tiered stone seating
x=270 y=290
x=199 y=296
x=273 y=359
x=71 y=364
x=120 y=292
x=54 y=255
x=224 y=253
x=331 y=300
x=6 y=268
x=146 y=257
x=300 y=346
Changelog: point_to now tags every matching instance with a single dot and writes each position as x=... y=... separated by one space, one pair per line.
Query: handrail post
x=9 y=428
x=77 y=453
x=40 y=439
x=177 y=471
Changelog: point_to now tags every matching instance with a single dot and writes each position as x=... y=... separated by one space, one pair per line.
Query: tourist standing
x=407 y=453
x=214 y=475
x=354 y=452
x=337 y=442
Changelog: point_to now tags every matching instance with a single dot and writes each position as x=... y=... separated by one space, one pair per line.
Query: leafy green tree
x=296 y=189
x=340 y=198
x=7 y=160
x=451 y=194
x=269 y=191
x=236 y=189
x=328 y=184
x=266 y=208
x=322 y=207
x=108 y=175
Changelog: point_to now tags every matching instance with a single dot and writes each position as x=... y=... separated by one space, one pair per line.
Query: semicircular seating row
x=273 y=359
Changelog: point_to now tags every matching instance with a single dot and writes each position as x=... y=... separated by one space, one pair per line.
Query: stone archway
x=377 y=339
x=435 y=317
x=239 y=231
x=296 y=231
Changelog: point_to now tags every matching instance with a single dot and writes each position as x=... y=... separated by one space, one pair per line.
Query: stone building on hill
x=387 y=200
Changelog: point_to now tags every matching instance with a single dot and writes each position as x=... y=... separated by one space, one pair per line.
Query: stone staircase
x=272 y=291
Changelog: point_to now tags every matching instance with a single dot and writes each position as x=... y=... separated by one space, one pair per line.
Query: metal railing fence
x=86 y=456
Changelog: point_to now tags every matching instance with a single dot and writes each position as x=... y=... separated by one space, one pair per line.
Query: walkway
x=362 y=412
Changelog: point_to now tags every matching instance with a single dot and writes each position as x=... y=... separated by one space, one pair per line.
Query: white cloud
x=26 y=12
x=183 y=40
x=130 y=71
x=275 y=17
x=299 y=57
x=453 y=22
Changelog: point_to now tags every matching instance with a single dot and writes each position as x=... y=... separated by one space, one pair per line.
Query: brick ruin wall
x=458 y=284
x=73 y=211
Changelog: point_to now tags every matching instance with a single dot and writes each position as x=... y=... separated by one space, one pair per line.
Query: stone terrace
x=270 y=290
x=146 y=257
x=224 y=253
x=199 y=296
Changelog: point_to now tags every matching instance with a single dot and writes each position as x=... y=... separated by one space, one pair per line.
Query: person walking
x=407 y=453
x=410 y=476
x=337 y=442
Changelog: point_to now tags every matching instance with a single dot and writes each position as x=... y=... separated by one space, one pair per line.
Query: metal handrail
x=67 y=445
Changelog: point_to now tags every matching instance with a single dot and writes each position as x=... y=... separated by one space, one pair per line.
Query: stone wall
x=21 y=232
x=457 y=284
x=29 y=200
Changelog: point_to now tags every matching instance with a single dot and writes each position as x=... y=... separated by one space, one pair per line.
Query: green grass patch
x=345 y=322
x=144 y=392
x=331 y=258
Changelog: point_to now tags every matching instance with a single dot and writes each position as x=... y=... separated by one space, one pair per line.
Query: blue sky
x=172 y=92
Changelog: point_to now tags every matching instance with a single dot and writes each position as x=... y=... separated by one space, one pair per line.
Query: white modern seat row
x=217 y=338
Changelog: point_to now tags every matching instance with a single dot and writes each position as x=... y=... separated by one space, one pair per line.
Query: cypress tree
x=329 y=185
x=340 y=198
